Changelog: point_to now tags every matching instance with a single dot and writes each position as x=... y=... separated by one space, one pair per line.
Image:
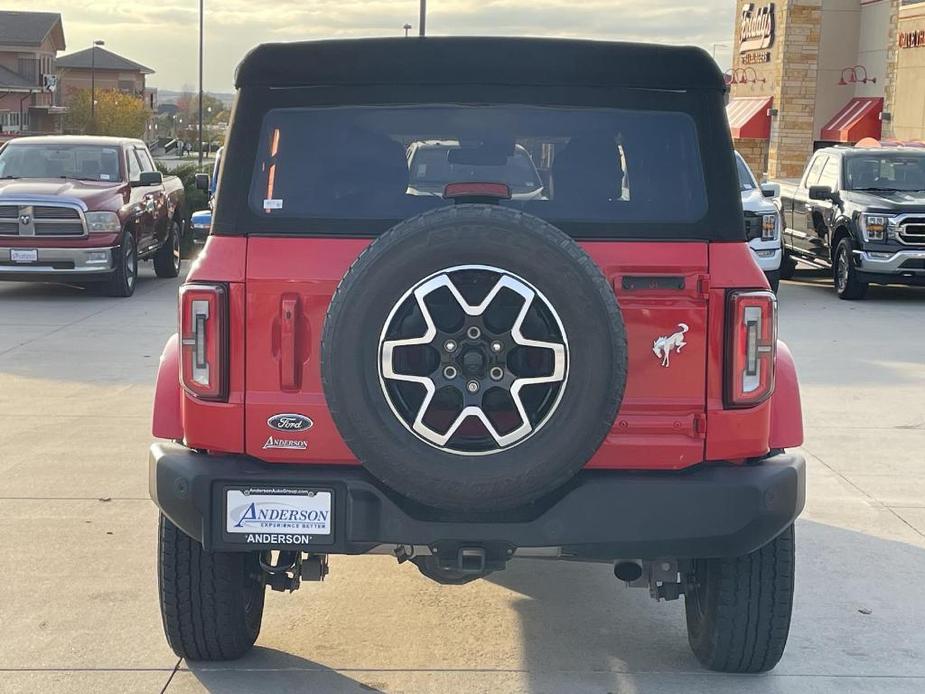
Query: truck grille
x=9 y=220
x=912 y=231
x=49 y=220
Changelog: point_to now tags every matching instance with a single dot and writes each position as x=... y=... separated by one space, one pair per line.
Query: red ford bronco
x=573 y=357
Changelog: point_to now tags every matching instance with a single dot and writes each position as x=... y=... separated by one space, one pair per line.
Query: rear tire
x=787 y=266
x=847 y=284
x=738 y=608
x=773 y=280
x=167 y=258
x=123 y=279
x=211 y=602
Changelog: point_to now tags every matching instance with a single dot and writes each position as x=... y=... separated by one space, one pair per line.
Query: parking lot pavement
x=78 y=590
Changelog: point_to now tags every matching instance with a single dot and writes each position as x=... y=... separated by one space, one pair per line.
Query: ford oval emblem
x=290 y=422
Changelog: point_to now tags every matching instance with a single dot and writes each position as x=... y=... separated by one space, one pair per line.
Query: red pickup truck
x=86 y=210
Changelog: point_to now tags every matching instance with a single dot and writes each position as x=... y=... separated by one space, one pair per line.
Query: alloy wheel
x=473 y=360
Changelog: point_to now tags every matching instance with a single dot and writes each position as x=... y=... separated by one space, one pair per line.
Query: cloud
x=164 y=36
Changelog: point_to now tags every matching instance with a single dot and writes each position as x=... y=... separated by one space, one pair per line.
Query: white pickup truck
x=762 y=221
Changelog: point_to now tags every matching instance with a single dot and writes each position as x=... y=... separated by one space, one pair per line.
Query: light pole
x=718 y=45
x=407 y=28
x=422 y=22
x=93 y=82
x=199 y=147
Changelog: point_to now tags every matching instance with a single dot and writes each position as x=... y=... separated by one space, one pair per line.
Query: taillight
x=204 y=340
x=751 y=347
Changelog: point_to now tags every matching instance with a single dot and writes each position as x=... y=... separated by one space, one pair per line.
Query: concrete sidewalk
x=78 y=597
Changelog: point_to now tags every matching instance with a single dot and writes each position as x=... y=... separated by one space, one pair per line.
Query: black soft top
x=479 y=60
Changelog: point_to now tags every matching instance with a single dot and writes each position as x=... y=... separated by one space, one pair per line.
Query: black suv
x=860 y=212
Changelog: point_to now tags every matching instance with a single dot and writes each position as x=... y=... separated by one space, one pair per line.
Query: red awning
x=749 y=118
x=859 y=118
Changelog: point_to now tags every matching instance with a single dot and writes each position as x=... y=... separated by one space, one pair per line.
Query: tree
x=117 y=114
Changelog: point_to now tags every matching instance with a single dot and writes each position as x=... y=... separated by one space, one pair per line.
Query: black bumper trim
x=711 y=511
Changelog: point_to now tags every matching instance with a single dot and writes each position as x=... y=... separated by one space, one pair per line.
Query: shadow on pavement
x=269 y=670
x=857 y=614
x=821 y=280
x=856 y=629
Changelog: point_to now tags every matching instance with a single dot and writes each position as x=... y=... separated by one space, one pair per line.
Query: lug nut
x=472 y=386
x=474 y=333
x=496 y=373
x=496 y=346
x=449 y=373
x=449 y=346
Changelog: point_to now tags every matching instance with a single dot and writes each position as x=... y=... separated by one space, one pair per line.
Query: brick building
x=809 y=73
x=108 y=71
x=29 y=44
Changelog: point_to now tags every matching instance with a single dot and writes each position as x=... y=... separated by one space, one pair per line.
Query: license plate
x=24 y=255
x=278 y=515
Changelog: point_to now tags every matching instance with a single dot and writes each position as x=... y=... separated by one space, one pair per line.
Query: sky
x=163 y=34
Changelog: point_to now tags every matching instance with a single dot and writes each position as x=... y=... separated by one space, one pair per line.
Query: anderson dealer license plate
x=278 y=515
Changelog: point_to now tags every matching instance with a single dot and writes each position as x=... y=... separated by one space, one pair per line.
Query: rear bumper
x=712 y=511
x=58 y=264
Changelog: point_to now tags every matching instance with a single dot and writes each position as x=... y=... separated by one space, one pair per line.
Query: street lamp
x=422 y=22
x=93 y=82
x=407 y=28
x=199 y=147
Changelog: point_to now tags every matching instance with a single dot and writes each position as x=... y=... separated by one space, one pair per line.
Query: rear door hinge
x=703 y=286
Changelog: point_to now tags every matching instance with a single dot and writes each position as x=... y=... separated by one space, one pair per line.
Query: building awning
x=859 y=118
x=749 y=118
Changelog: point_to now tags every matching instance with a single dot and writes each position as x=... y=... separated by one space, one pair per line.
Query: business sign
x=756 y=28
x=912 y=39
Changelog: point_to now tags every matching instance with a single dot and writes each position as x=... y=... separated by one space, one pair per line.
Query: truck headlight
x=874 y=226
x=103 y=222
x=769 y=227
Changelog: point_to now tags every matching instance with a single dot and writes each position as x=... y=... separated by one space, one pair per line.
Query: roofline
x=57 y=23
x=489 y=60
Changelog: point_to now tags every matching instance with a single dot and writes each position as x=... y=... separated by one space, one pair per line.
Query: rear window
x=561 y=164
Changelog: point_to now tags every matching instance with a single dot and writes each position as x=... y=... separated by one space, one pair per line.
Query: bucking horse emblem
x=664 y=345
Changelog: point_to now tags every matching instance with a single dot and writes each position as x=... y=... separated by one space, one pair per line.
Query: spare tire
x=473 y=358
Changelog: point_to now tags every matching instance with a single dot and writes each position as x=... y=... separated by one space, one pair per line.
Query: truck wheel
x=211 y=602
x=167 y=258
x=773 y=279
x=738 y=608
x=847 y=283
x=787 y=265
x=122 y=281
x=474 y=358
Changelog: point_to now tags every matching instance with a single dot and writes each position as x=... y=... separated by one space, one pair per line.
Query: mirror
x=202 y=182
x=770 y=190
x=821 y=193
x=150 y=178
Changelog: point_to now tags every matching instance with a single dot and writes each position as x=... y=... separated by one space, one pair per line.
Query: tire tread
x=746 y=628
x=201 y=599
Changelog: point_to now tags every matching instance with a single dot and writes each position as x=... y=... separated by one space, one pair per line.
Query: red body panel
x=731 y=434
x=786 y=410
x=167 y=420
x=659 y=423
x=670 y=418
x=219 y=426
